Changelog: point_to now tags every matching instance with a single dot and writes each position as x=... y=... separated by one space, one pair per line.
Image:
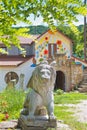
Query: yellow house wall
x=52 y=38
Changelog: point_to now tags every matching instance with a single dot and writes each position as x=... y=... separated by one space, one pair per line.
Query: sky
x=39 y=21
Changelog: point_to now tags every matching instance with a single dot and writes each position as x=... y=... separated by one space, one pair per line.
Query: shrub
x=2 y=117
x=11 y=102
x=59 y=91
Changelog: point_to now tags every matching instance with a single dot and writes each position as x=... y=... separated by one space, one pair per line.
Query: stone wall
x=76 y=74
x=73 y=72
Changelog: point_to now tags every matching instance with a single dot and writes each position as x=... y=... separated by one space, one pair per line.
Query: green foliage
x=2 y=117
x=40 y=29
x=12 y=12
x=11 y=102
x=59 y=92
x=34 y=30
x=12 y=38
x=79 y=50
x=77 y=37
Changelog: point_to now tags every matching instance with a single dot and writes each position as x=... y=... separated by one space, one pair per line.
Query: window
x=52 y=49
x=11 y=76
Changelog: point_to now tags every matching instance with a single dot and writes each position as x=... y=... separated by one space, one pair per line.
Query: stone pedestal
x=40 y=124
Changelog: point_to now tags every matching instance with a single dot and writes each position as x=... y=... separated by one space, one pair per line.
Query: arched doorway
x=60 y=81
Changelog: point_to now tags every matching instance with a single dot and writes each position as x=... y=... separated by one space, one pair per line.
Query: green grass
x=11 y=101
x=65 y=113
x=70 y=98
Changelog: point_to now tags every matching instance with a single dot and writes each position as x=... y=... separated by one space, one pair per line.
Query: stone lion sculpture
x=42 y=84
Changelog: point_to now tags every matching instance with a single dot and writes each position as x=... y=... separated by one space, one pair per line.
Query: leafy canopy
x=52 y=11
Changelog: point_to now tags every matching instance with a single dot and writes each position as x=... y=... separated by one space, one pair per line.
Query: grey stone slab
x=8 y=124
x=36 y=124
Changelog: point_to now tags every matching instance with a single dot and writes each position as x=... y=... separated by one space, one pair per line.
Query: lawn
x=11 y=102
x=65 y=113
x=69 y=98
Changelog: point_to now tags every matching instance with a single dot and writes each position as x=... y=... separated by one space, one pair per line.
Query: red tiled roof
x=13 y=61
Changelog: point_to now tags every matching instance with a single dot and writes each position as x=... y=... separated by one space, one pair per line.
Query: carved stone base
x=37 y=124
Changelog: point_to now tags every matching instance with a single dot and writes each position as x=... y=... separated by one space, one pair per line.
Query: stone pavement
x=12 y=125
x=9 y=125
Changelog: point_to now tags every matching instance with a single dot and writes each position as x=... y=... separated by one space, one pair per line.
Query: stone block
x=8 y=124
x=37 y=124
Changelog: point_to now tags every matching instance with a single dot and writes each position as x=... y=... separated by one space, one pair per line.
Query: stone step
x=83 y=86
x=84 y=83
x=82 y=90
x=85 y=72
x=85 y=69
x=84 y=77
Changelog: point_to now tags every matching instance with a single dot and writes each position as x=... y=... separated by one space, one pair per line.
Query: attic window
x=11 y=77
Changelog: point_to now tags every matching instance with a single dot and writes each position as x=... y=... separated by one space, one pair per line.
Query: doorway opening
x=60 y=81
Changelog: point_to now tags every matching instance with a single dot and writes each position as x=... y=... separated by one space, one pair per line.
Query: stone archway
x=60 y=80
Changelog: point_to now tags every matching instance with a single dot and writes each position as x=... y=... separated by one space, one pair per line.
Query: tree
x=52 y=11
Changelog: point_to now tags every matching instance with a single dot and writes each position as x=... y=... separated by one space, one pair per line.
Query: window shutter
x=55 y=49
x=49 y=50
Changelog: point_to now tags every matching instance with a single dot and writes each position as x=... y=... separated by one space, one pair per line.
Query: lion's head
x=43 y=77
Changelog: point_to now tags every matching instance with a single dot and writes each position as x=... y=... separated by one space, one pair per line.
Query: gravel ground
x=81 y=111
x=61 y=126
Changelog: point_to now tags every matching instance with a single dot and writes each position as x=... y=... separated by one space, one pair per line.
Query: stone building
x=56 y=46
x=52 y=45
x=68 y=74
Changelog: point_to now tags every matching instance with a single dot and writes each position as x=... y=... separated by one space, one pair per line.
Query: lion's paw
x=52 y=117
